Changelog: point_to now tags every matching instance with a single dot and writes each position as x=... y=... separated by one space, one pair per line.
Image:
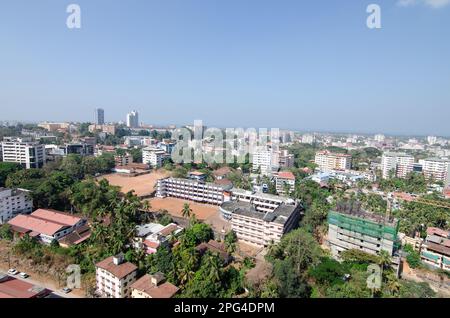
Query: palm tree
x=186 y=211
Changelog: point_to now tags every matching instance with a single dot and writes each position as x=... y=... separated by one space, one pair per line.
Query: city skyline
x=318 y=68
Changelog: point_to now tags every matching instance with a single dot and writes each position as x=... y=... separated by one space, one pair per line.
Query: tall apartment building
x=285 y=180
x=379 y=138
x=350 y=227
x=133 y=119
x=262 y=161
x=327 y=161
x=99 y=116
x=437 y=169
x=153 y=156
x=435 y=250
x=114 y=277
x=14 y=202
x=400 y=164
x=191 y=190
x=29 y=154
x=260 y=219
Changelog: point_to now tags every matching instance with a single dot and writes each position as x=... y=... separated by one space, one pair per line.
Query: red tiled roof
x=286 y=175
x=437 y=231
x=11 y=287
x=145 y=285
x=151 y=244
x=120 y=271
x=56 y=216
x=47 y=222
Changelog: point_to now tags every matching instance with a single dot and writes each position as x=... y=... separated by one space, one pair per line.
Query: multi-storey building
x=123 y=160
x=133 y=119
x=107 y=129
x=327 y=161
x=153 y=156
x=191 y=190
x=262 y=161
x=400 y=164
x=435 y=250
x=27 y=153
x=114 y=277
x=285 y=181
x=99 y=116
x=14 y=202
x=286 y=160
x=349 y=227
x=437 y=169
x=261 y=219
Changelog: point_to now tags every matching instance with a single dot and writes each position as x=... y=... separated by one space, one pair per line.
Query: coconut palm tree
x=186 y=211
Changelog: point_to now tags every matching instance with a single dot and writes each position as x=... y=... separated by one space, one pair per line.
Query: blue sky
x=306 y=65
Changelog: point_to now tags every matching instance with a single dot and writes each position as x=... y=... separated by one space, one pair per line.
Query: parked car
x=12 y=271
x=66 y=290
x=24 y=275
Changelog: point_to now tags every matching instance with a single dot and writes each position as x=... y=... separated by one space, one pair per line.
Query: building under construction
x=349 y=227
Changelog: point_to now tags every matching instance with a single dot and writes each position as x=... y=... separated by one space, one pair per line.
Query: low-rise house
x=114 y=277
x=221 y=173
x=78 y=236
x=151 y=236
x=153 y=286
x=215 y=247
x=46 y=225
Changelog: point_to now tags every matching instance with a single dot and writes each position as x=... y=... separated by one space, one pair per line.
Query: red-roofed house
x=153 y=286
x=285 y=182
x=46 y=225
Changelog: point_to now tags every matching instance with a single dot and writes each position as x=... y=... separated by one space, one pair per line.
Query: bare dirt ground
x=174 y=207
x=143 y=185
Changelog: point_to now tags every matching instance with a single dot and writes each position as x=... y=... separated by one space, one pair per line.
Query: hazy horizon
x=303 y=65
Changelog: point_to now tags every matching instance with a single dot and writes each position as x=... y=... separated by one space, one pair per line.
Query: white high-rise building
x=400 y=163
x=262 y=160
x=99 y=116
x=153 y=156
x=437 y=169
x=328 y=161
x=432 y=140
x=307 y=139
x=379 y=138
x=27 y=153
x=14 y=202
x=133 y=119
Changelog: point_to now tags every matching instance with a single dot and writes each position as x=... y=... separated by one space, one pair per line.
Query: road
x=49 y=285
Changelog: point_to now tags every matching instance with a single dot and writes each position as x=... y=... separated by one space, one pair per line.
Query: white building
x=437 y=169
x=114 y=277
x=260 y=219
x=191 y=190
x=379 y=138
x=400 y=164
x=262 y=161
x=133 y=119
x=14 y=202
x=153 y=156
x=432 y=140
x=327 y=161
x=307 y=139
x=29 y=154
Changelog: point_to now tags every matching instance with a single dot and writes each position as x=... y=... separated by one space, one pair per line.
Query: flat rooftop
x=280 y=215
